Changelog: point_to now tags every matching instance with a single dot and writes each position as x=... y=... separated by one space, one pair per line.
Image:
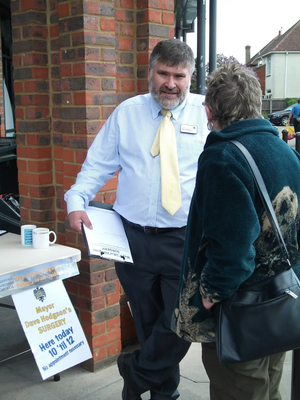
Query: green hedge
x=291 y=100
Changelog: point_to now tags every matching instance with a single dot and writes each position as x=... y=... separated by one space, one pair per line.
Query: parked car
x=280 y=117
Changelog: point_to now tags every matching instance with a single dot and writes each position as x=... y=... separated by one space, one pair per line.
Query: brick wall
x=32 y=111
x=74 y=61
x=261 y=73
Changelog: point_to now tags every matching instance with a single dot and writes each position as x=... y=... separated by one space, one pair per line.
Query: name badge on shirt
x=192 y=129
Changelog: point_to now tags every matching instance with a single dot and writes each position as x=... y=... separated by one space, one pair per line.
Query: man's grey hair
x=173 y=52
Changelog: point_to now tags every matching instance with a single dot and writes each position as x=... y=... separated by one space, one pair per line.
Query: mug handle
x=54 y=234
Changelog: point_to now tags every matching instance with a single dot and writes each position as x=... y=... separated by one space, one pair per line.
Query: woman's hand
x=207 y=304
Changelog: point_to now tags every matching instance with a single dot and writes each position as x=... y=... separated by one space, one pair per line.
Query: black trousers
x=296 y=125
x=151 y=286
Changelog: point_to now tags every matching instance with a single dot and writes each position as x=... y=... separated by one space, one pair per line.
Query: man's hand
x=77 y=217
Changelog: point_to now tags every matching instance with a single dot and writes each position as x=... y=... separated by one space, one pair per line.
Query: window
x=269 y=66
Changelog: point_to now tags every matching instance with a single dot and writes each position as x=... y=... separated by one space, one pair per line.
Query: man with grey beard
x=155 y=234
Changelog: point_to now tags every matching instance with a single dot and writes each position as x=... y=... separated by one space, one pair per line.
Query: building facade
x=277 y=65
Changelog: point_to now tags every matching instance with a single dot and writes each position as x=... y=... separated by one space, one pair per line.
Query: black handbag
x=261 y=319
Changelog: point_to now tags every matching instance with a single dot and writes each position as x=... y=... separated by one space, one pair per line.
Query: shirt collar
x=155 y=108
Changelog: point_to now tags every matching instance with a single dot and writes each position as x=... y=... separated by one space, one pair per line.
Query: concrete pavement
x=20 y=378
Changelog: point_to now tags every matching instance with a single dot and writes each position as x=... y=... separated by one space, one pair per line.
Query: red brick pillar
x=125 y=23
x=32 y=112
x=86 y=89
x=155 y=22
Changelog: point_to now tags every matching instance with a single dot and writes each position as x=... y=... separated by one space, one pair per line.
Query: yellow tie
x=165 y=144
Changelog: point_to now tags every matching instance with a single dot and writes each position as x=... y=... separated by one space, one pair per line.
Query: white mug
x=26 y=234
x=41 y=238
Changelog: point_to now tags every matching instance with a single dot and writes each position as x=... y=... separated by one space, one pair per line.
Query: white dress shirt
x=124 y=144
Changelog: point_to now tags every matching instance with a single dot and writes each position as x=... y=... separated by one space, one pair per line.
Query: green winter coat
x=229 y=240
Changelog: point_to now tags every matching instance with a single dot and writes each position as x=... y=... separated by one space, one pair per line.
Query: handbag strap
x=264 y=195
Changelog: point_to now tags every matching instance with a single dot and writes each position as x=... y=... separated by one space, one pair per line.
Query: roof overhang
x=185 y=14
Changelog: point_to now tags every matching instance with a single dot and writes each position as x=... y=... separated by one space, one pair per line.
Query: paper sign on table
x=52 y=328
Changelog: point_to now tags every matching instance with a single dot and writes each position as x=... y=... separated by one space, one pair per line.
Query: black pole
x=178 y=33
x=297 y=148
x=295 y=392
x=285 y=133
x=212 y=35
x=295 y=382
x=201 y=9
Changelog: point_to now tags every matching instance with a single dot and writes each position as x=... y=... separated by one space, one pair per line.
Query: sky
x=253 y=22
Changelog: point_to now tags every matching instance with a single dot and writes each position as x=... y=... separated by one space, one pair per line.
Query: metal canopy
x=185 y=14
x=186 y=11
